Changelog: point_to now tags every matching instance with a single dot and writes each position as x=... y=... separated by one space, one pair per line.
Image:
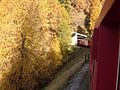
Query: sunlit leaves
x=30 y=48
x=95 y=11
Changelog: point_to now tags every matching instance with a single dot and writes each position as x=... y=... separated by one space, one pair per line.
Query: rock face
x=84 y=14
x=81 y=8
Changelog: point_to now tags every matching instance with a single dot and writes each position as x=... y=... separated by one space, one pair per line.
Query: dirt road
x=80 y=80
x=63 y=77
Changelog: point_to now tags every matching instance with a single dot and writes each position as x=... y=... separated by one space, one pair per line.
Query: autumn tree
x=31 y=33
x=95 y=11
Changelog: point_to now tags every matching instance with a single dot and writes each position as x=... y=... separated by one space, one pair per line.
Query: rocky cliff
x=84 y=14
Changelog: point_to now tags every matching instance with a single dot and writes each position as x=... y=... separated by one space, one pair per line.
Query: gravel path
x=80 y=80
x=62 y=78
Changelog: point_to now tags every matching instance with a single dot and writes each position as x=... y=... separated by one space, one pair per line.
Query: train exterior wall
x=104 y=61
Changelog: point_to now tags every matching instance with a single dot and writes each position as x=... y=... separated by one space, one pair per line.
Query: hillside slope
x=32 y=42
x=83 y=13
x=35 y=37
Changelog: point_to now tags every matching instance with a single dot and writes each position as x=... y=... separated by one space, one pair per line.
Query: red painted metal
x=107 y=5
x=104 y=58
x=93 y=63
x=84 y=43
x=105 y=51
x=113 y=16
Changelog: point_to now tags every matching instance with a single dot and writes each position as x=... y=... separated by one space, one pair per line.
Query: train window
x=80 y=37
x=73 y=34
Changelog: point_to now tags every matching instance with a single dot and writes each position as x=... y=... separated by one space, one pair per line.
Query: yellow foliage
x=95 y=11
x=29 y=46
x=65 y=33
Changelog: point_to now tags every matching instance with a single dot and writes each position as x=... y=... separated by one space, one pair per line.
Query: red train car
x=83 y=42
x=105 y=49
